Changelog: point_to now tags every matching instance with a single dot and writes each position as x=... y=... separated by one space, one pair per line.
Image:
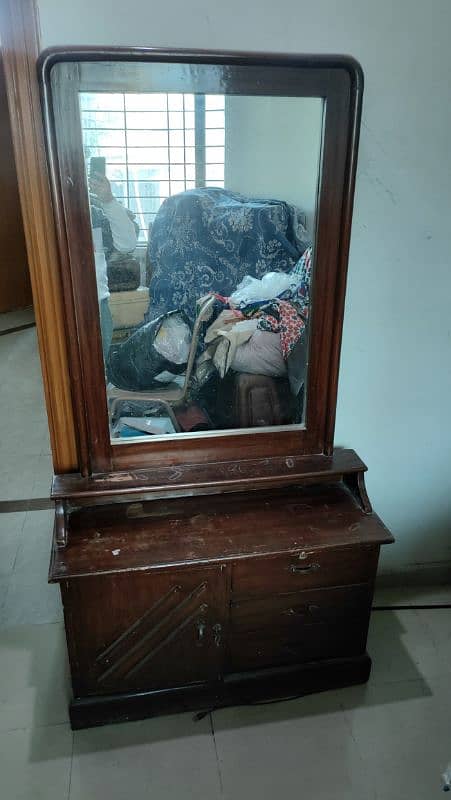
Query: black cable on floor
x=415 y=607
x=31 y=504
x=18 y=328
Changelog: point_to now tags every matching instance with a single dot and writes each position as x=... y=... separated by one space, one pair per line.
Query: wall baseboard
x=427 y=575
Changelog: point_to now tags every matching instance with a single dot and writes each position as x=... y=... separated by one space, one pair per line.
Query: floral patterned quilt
x=208 y=239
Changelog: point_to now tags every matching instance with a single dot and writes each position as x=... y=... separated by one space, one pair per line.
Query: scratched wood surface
x=156 y=534
x=242 y=474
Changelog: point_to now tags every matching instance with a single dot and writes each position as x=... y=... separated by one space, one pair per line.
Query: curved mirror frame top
x=203 y=202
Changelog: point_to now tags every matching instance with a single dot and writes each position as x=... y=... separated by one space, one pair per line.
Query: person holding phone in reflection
x=113 y=229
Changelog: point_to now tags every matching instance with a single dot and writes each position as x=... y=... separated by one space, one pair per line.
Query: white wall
x=272 y=148
x=395 y=386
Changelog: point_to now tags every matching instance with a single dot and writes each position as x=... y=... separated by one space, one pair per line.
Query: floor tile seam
x=35 y=624
x=20 y=542
x=69 y=786
x=426 y=630
x=346 y=713
x=31 y=728
x=362 y=758
x=7 y=627
x=215 y=745
x=2 y=603
x=376 y=683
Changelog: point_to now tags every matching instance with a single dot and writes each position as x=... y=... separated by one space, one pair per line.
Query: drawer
x=289 y=612
x=307 y=569
x=259 y=650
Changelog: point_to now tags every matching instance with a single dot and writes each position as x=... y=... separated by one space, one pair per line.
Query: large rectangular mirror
x=192 y=199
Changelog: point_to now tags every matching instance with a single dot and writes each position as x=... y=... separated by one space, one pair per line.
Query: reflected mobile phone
x=97 y=166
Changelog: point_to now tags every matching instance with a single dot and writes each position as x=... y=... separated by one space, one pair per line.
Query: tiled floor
x=389 y=740
x=25 y=466
x=25 y=472
x=385 y=741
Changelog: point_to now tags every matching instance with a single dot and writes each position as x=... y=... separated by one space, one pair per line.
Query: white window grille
x=154 y=145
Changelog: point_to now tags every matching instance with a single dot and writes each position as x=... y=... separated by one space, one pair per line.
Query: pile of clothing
x=260 y=327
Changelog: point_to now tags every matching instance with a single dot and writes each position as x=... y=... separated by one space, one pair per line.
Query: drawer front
x=259 y=650
x=304 y=570
x=290 y=612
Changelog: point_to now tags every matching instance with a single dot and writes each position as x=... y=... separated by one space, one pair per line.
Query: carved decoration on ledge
x=355 y=481
x=61 y=524
x=206 y=478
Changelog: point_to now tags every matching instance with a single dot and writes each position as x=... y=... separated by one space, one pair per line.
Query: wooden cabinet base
x=239 y=689
x=203 y=602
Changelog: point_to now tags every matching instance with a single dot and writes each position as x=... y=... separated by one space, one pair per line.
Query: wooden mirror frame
x=336 y=79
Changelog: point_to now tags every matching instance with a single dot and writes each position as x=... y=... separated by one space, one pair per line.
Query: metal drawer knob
x=217 y=630
x=201 y=628
x=298 y=570
x=301 y=611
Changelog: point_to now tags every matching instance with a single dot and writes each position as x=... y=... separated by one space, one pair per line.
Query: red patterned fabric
x=282 y=317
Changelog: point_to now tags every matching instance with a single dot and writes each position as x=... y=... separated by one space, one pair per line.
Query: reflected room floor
x=387 y=740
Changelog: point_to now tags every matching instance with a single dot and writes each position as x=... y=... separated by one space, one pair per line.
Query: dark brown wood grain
x=311 y=643
x=159 y=534
x=153 y=623
x=218 y=477
x=15 y=288
x=238 y=689
x=216 y=599
x=306 y=569
x=171 y=599
x=311 y=607
x=77 y=231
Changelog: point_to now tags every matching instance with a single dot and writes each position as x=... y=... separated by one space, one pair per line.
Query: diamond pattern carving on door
x=163 y=629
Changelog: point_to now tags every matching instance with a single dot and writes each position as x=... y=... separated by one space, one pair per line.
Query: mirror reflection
x=203 y=217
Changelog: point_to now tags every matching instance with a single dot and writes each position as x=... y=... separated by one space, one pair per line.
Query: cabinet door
x=139 y=631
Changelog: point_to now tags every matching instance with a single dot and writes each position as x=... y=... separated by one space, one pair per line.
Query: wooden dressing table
x=201 y=570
